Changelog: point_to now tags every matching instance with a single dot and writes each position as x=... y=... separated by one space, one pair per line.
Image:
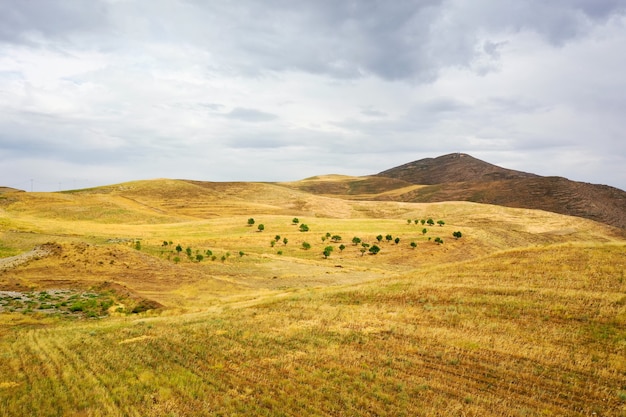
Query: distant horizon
x=33 y=183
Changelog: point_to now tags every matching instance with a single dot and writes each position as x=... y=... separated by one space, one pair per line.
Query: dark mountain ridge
x=461 y=177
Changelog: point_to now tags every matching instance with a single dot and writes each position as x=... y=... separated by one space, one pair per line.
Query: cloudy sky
x=104 y=91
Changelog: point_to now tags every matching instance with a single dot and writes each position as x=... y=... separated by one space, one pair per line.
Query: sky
x=106 y=91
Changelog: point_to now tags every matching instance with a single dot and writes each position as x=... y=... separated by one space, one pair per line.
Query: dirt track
x=38 y=252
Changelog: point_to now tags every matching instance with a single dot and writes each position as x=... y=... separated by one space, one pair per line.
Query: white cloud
x=284 y=90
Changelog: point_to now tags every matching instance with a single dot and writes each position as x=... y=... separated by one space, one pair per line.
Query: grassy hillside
x=524 y=315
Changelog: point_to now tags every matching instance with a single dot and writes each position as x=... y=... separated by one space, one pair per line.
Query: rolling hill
x=461 y=177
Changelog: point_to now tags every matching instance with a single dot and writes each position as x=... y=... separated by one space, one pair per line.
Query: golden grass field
x=524 y=315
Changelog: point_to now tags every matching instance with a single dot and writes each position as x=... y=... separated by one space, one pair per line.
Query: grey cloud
x=49 y=18
x=371 y=112
x=250 y=115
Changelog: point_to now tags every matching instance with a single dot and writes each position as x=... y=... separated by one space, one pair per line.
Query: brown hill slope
x=454 y=167
x=460 y=177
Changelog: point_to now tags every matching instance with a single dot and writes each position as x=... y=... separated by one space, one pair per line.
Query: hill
x=455 y=167
x=460 y=177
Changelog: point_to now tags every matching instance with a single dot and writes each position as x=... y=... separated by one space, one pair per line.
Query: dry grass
x=523 y=316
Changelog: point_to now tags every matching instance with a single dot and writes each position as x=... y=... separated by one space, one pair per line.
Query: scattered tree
x=285 y=240
x=413 y=245
x=424 y=230
x=138 y=245
x=188 y=251
x=176 y=259
x=327 y=251
x=342 y=247
x=327 y=234
x=440 y=222
x=306 y=245
x=250 y=221
x=363 y=250
x=336 y=238
x=241 y=253
x=457 y=234
x=356 y=240
x=430 y=222
x=261 y=227
x=280 y=252
x=388 y=238
x=438 y=241
x=397 y=240
x=277 y=238
x=408 y=221
x=208 y=252
x=379 y=238
x=199 y=257
x=374 y=250
x=416 y=221
x=295 y=220
x=179 y=249
x=304 y=228
x=272 y=243
x=423 y=222
x=164 y=243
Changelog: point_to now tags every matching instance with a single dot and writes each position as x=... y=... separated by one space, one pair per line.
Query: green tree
x=272 y=243
x=424 y=230
x=164 y=243
x=304 y=228
x=374 y=250
x=363 y=250
x=261 y=227
x=208 y=252
x=176 y=259
x=356 y=240
x=277 y=238
x=342 y=247
x=416 y=221
x=336 y=238
x=430 y=222
x=188 y=251
x=423 y=222
x=457 y=234
x=413 y=245
x=250 y=221
x=138 y=245
x=179 y=249
x=306 y=245
x=295 y=220
x=438 y=241
x=379 y=238
x=241 y=253
x=440 y=222
x=285 y=241
x=408 y=221
x=327 y=251
x=199 y=257
x=388 y=238
x=397 y=240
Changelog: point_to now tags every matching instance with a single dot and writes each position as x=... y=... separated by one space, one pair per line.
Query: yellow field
x=524 y=315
